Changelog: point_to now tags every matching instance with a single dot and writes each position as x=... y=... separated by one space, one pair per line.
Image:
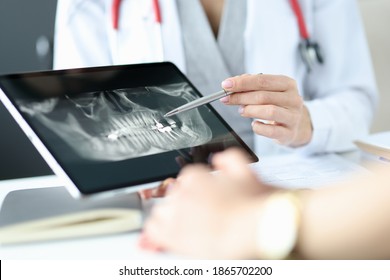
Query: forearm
x=339 y=119
x=348 y=221
x=341 y=94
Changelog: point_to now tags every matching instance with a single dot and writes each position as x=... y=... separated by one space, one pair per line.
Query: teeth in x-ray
x=135 y=130
x=142 y=130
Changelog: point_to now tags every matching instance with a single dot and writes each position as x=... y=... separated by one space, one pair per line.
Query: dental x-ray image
x=103 y=128
x=125 y=123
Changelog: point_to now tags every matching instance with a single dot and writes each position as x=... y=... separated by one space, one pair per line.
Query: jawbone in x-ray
x=120 y=124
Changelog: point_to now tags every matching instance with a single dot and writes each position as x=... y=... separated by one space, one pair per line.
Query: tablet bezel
x=60 y=170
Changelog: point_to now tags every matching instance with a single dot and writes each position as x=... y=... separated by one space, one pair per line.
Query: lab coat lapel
x=271 y=29
x=138 y=39
x=171 y=34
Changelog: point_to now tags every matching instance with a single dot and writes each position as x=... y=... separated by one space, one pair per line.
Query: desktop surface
x=290 y=171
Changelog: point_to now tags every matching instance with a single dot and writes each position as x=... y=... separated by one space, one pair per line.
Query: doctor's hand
x=209 y=215
x=275 y=101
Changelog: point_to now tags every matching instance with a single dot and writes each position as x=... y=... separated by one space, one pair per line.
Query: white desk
x=288 y=170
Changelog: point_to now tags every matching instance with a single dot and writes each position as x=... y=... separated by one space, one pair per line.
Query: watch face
x=278 y=226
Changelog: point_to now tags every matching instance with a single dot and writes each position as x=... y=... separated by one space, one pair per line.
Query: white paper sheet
x=295 y=171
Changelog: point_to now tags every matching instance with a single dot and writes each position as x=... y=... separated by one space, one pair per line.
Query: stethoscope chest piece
x=310 y=53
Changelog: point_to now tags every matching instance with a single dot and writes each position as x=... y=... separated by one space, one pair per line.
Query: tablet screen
x=105 y=126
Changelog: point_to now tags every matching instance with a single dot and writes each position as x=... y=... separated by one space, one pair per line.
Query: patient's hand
x=208 y=215
x=159 y=191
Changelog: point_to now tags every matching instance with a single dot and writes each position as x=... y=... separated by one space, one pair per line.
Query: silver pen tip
x=170 y=113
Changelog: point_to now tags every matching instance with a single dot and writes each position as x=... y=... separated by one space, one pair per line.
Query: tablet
x=102 y=128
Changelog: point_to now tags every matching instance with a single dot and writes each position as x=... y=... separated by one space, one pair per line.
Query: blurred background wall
x=26 y=36
x=376 y=16
x=26 y=32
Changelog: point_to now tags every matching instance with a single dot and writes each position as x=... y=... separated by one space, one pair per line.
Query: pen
x=198 y=102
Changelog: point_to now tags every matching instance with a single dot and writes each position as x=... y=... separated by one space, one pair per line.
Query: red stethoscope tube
x=301 y=20
x=115 y=13
x=157 y=11
x=296 y=7
x=116 y=10
x=310 y=51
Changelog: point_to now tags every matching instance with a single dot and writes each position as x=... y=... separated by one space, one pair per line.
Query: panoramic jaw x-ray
x=120 y=124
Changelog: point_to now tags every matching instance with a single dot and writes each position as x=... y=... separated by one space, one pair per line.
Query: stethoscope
x=309 y=50
x=116 y=8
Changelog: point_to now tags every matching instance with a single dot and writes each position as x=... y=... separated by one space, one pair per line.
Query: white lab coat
x=340 y=94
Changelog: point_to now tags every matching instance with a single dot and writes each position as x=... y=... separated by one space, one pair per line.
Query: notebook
x=377 y=144
x=47 y=214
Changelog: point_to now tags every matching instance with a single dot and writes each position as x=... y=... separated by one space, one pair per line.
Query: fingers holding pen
x=274 y=99
x=279 y=133
x=282 y=99
x=271 y=113
x=279 y=91
x=259 y=82
x=271 y=98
